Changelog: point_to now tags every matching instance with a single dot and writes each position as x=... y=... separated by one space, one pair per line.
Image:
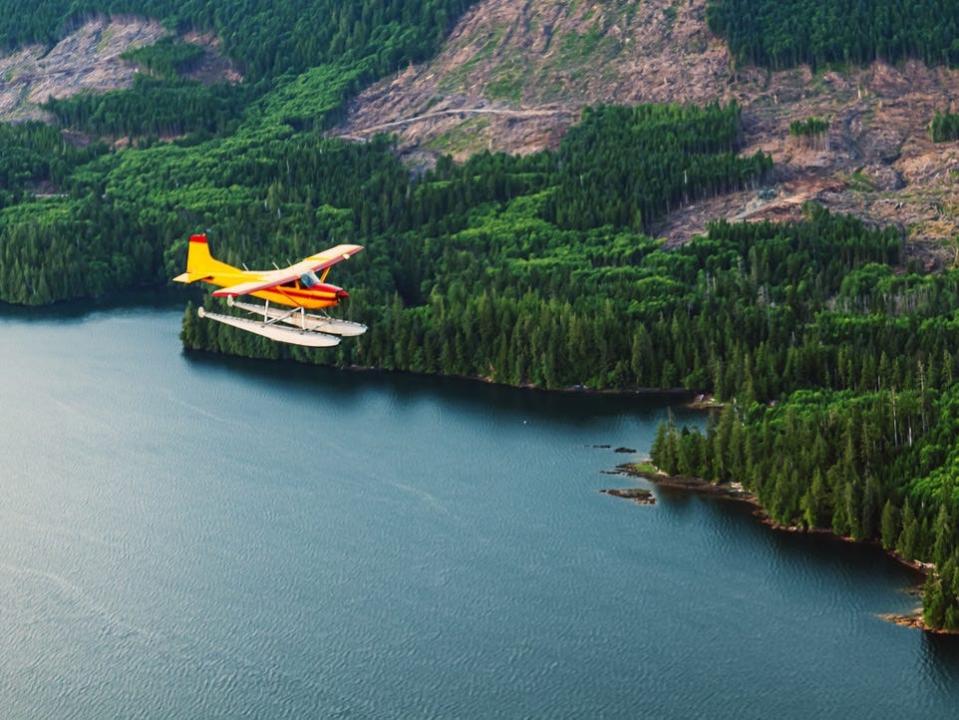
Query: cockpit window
x=309 y=280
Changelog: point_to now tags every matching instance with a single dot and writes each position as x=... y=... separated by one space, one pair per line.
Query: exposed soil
x=914 y=620
x=513 y=76
x=705 y=402
x=89 y=60
x=213 y=67
x=547 y=59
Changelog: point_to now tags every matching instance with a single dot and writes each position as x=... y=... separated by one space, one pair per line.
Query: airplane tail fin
x=200 y=263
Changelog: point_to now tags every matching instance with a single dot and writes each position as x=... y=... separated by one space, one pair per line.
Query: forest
x=516 y=299
x=268 y=39
x=34 y=153
x=809 y=127
x=268 y=191
x=785 y=33
x=75 y=228
x=944 y=127
x=270 y=42
x=161 y=101
x=861 y=440
x=166 y=58
x=873 y=466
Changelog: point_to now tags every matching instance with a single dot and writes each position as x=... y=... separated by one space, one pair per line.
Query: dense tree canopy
x=167 y=58
x=944 y=127
x=809 y=127
x=32 y=154
x=267 y=38
x=879 y=465
x=268 y=191
x=630 y=166
x=154 y=108
x=271 y=42
x=784 y=33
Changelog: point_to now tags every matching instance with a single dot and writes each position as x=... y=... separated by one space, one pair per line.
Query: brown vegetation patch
x=89 y=59
x=545 y=60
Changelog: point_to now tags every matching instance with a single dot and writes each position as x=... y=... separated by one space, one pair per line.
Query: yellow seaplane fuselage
x=297 y=286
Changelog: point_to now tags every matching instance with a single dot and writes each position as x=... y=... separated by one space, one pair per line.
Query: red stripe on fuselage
x=300 y=293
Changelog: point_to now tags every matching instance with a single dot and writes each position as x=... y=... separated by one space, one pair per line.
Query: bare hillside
x=513 y=76
x=88 y=60
x=547 y=55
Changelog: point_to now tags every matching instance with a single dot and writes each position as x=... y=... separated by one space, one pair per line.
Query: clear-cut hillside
x=513 y=76
x=553 y=57
x=88 y=60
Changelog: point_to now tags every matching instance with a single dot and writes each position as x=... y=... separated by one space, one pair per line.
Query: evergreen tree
x=890 y=525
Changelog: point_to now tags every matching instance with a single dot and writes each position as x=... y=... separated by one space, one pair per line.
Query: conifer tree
x=890 y=525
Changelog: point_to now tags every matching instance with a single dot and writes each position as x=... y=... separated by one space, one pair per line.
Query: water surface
x=190 y=536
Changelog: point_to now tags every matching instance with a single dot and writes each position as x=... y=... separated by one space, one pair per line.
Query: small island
x=640 y=496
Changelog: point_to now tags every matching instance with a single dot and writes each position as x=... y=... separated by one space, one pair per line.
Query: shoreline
x=737 y=493
x=691 y=399
x=166 y=295
x=914 y=621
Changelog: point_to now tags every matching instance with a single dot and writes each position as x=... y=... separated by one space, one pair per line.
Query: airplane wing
x=329 y=258
x=314 y=263
x=252 y=287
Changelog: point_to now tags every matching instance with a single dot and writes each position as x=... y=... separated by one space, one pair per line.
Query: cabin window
x=309 y=280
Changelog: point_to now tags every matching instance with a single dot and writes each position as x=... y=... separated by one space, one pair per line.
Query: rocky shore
x=735 y=491
x=647 y=471
x=640 y=496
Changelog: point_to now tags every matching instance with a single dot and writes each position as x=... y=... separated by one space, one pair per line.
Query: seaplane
x=288 y=293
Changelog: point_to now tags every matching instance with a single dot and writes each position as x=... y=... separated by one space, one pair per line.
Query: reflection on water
x=465 y=396
x=185 y=535
x=144 y=301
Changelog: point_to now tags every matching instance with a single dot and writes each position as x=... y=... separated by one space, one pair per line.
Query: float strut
x=279 y=318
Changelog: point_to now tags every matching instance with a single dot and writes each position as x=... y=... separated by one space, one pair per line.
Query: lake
x=190 y=536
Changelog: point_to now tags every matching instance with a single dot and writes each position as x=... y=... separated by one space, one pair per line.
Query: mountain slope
x=549 y=59
x=550 y=55
x=90 y=59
